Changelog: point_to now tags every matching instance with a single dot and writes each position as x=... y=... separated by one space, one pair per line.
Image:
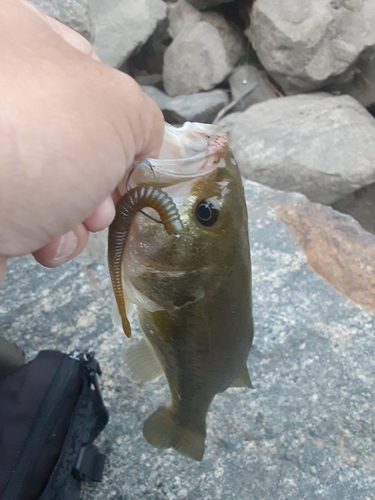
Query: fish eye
x=207 y=212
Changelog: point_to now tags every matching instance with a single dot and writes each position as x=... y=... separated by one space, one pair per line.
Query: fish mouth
x=188 y=152
x=192 y=139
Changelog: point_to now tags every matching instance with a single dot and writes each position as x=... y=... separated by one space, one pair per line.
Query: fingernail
x=67 y=245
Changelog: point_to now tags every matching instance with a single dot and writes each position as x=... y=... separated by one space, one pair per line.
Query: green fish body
x=192 y=292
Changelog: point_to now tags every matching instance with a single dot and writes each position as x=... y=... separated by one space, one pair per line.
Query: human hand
x=70 y=128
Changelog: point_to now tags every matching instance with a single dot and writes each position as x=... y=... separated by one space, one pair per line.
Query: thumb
x=63 y=248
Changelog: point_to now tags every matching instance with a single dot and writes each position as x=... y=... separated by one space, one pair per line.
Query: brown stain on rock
x=337 y=247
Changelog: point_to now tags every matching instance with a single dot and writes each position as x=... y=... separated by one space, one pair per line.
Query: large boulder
x=122 y=26
x=306 y=44
x=182 y=15
x=307 y=428
x=317 y=144
x=196 y=60
x=72 y=13
x=204 y=50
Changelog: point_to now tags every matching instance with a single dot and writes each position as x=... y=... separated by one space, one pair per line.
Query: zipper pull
x=92 y=368
x=90 y=363
x=76 y=354
x=87 y=358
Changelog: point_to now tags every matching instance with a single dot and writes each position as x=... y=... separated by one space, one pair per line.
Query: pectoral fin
x=142 y=362
x=243 y=379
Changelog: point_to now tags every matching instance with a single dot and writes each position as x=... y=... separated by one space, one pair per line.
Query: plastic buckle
x=89 y=465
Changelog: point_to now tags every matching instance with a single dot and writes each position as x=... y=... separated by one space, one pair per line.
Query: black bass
x=188 y=277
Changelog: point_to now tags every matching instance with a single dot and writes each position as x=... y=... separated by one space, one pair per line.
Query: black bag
x=51 y=411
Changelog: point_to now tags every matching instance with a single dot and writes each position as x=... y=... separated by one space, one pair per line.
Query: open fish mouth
x=188 y=152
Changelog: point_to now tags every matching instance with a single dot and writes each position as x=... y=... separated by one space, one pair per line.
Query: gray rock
x=319 y=145
x=360 y=205
x=305 y=45
x=72 y=13
x=123 y=26
x=154 y=80
x=201 y=107
x=196 y=60
x=183 y=15
x=234 y=41
x=160 y=97
x=305 y=431
x=362 y=86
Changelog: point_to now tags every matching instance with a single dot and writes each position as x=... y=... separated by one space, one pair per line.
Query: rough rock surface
x=196 y=60
x=153 y=80
x=305 y=431
x=360 y=205
x=362 y=87
x=182 y=15
x=202 y=107
x=319 y=145
x=204 y=50
x=73 y=13
x=121 y=27
x=305 y=45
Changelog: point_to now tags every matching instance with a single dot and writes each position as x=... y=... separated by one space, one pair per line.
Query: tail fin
x=161 y=431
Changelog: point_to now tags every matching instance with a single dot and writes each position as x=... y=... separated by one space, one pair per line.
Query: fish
x=178 y=251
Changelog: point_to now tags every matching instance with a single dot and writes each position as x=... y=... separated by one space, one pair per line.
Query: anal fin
x=243 y=379
x=142 y=362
